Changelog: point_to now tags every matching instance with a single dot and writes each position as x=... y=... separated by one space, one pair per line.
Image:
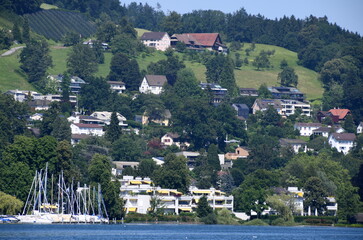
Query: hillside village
x=165 y=143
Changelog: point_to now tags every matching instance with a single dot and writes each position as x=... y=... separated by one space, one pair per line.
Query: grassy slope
x=247 y=76
x=46 y=6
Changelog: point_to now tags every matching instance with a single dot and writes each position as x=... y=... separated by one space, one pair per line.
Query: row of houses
x=139 y=192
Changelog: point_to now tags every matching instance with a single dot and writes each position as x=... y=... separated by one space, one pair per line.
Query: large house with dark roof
x=158 y=40
x=200 y=41
x=287 y=93
x=343 y=142
x=153 y=84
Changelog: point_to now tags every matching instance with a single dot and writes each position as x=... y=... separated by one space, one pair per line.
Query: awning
x=163 y=191
x=49 y=206
x=135 y=182
x=132 y=209
x=186 y=209
x=175 y=191
x=167 y=200
x=300 y=194
x=149 y=191
x=147 y=182
x=196 y=200
x=201 y=191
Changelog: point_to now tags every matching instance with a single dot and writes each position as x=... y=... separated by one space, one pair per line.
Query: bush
x=256 y=222
x=211 y=218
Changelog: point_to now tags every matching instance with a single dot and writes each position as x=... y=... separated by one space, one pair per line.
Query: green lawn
x=11 y=77
x=247 y=76
x=140 y=31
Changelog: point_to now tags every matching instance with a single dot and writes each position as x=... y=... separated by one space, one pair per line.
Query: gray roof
x=156 y=80
x=343 y=136
x=240 y=106
x=265 y=103
x=153 y=35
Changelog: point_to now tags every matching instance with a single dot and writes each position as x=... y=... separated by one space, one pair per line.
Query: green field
x=46 y=6
x=246 y=76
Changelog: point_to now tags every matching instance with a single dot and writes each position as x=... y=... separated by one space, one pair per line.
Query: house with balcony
x=117 y=86
x=217 y=91
x=88 y=129
x=289 y=107
x=139 y=192
x=170 y=139
x=287 y=93
x=200 y=41
x=295 y=144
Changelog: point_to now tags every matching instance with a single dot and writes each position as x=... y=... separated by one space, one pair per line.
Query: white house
x=326 y=131
x=88 y=129
x=152 y=84
x=295 y=144
x=360 y=128
x=306 y=129
x=290 y=106
x=158 y=40
x=343 y=142
x=170 y=139
x=117 y=86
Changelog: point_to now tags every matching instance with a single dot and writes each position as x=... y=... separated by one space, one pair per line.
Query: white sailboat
x=71 y=207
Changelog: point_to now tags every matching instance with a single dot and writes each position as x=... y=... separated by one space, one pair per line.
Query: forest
x=336 y=54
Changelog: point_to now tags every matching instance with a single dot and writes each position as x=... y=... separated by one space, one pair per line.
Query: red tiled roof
x=205 y=39
x=342 y=113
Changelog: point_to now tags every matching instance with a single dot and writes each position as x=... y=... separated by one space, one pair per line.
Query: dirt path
x=11 y=51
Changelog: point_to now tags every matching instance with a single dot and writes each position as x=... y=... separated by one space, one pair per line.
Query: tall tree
x=35 y=60
x=26 y=30
x=126 y=70
x=315 y=195
x=203 y=208
x=172 y=23
x=288 y=77
x=173 y=174
x=81 y=61
x=113 y=130
x=16 y=33
x=212 y=157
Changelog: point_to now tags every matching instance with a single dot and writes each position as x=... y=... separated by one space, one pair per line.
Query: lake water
x=175 y=232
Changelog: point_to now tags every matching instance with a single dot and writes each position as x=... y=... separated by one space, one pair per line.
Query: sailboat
x=71 y=206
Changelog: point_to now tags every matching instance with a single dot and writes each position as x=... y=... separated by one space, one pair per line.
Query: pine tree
x=16 y=33
x=26 y=30
x=113 y=131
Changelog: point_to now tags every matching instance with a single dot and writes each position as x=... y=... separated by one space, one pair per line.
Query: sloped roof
x=156 y=80
x=342 y=113
x=172 y=135
x=203 y=39
x=116 y=82
x=153 y=35
x=343 y=136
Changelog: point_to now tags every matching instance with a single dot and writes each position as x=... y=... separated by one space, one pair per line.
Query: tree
x=212 y=157
x=100 y=172
x=283 y=63
x=261 y=61
x=127 y=148
x=238 y=61
x=16 y=33
x=65 y=162
x=5 y=39
x=173 y=174
x=220 y=70
x=95 y=94
x=106 y=31
x=26 y=30
x=283 y=204
x=333 y=97
x=348 y=203
x=71 y=39
x=287 y=77
x=81 y=61
x=263 y=91
x=126 y=70
x=99 y=52
x=315 y=195
x=124 y=44
x=9 y=205
x=61 y=129
x=172 y=23
x=203 y=208
x=35 y=60
x=349 y=125
x=146 y=168
x=113 y=131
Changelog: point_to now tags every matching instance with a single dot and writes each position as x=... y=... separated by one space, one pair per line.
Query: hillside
x=247 y=76
x=54 y=24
